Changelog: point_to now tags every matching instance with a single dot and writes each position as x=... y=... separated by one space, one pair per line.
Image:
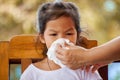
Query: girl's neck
x=52 y=65
x=47 y=64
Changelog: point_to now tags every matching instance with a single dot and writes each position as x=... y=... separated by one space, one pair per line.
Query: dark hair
x=50 y=11
x=53 y=10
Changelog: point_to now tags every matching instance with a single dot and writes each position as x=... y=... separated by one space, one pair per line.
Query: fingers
x=70 y=57
x=65 y=56
x=82 y=67
x=62 y=54
x=88 y=68
x=95 y=67
x=66 y=45
x=60 y=50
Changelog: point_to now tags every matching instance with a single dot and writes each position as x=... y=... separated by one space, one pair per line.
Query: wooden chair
x=21 y=50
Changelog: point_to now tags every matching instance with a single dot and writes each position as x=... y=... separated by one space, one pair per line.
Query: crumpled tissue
x=52 y=50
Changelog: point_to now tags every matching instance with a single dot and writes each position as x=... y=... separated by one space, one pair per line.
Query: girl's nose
x=62 y=36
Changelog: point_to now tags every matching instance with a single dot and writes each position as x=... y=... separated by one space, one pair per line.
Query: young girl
x=57 y=20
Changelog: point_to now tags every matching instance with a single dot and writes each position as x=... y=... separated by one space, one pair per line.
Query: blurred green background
x=100 y=19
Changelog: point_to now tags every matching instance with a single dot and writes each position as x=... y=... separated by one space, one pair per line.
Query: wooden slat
x=24 y=54
x=91 y=43
x=84 y=42
x=25 y=63
x=4 y=63
x=24 y=47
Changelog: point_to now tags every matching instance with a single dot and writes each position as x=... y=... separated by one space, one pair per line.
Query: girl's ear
x=41 y=37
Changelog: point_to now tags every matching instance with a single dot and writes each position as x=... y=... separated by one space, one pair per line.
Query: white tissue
x=52 y=50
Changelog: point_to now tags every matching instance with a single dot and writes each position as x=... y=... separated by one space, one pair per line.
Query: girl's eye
x=53 y=34
x=69 y=33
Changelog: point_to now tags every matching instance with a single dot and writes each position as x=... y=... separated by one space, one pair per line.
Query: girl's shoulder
x=27 y=74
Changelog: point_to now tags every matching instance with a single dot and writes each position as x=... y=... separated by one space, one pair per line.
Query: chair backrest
x=22 y=49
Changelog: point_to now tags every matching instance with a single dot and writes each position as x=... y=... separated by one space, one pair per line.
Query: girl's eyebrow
x=70 y=29
x=52 y=30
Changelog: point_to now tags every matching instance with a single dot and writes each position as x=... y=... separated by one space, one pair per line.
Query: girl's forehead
x=60 y=30
x=61 y=23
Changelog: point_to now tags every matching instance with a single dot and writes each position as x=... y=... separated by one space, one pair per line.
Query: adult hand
x=77 y=57
x=74 y=57
x=97 y=66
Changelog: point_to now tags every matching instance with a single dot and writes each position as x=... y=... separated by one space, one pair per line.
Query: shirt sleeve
x=27 y=74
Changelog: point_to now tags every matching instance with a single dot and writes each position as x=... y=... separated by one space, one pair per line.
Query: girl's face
x=62 y=27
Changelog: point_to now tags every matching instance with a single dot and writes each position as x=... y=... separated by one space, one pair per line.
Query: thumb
x=69 y=45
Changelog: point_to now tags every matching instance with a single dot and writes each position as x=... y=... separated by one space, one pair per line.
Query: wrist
x=89 y=59
x=86 y=57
